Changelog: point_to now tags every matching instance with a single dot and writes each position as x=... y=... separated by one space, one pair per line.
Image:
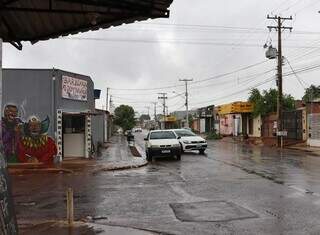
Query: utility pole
x=279 y=28
x=187 y=102
x=163 y=97
x=107 y=99
x=148 y=107
x=111 y=105
x=155 y=111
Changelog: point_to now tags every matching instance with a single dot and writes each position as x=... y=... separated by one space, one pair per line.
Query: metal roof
x=34 y=20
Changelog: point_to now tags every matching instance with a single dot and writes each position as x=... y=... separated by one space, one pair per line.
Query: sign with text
x=282 y=133
x=74 y=89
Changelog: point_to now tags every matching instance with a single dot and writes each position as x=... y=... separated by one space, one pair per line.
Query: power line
x=301 y=70
x=237 y=92
x=296 y=75
x=197 y=81
x=177 y=42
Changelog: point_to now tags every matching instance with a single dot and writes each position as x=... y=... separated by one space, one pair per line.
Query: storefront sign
x=74 y=89
x=235 y=107
x=170 y=119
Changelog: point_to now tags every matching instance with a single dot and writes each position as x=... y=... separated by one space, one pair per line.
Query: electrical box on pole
x=271 y=53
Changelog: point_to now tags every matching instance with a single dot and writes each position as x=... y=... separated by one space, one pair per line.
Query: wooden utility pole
x=155 y=111
x=279 y=28
x=187 y=99
x=107 y=99
x=163 y=97
x=148 y=108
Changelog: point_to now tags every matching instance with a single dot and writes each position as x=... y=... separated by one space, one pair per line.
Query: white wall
x=314 y=130
x=257 y=122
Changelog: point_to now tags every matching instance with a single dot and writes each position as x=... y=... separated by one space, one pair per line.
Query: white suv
x=190 y=141
x=162 y=143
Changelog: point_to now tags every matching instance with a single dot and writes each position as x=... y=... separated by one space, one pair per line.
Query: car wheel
x=182 y=151
x=149 y=157
x=201 y=151
x=179 y=157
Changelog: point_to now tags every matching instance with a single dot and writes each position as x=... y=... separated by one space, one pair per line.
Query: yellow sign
x=235 y=107
x=170 y=119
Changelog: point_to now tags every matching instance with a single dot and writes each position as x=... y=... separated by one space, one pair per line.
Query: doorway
x=73 y=130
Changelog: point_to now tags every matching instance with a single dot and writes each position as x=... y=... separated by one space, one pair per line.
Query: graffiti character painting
x=35 y=145
x=11 y=130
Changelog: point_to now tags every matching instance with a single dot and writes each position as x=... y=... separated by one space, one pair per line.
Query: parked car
x=190 y=141
x=162 y=143
x=138 y=129
x=126 y=132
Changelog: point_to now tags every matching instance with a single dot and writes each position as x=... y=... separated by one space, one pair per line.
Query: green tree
x=311 y=93
x=190 y=120
x=144 y=117
x=266 y=102
x=257 y=99
x=124 y=117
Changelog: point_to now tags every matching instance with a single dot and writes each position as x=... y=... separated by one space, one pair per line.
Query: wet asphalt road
x=232 y=189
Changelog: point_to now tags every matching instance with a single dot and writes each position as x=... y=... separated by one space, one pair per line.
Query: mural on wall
x=11 y=126
x=26 y=142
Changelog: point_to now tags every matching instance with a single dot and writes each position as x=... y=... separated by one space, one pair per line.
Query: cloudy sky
x=218 y=44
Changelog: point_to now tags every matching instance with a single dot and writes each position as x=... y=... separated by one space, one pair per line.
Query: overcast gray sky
x=200 y=40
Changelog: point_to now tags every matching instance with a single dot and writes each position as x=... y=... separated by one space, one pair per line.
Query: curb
x=141 y=151
x=15 y=171
x=305 y=151
x=121 y=167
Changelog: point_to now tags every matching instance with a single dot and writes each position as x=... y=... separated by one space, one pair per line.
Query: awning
x=34 y=20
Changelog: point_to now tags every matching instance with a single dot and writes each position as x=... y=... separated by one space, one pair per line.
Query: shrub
x=213 y=135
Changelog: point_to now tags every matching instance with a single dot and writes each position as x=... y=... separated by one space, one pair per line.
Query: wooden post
x=70 y=213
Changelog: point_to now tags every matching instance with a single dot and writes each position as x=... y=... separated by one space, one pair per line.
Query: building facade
x=63 y=103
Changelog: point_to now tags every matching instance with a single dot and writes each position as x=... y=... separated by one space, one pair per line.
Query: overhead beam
x=150 y=5
x=72 y=31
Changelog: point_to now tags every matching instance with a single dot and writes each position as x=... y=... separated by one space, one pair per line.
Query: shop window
x=73 y=124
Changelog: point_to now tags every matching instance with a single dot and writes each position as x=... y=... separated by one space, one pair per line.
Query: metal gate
x=292 y=123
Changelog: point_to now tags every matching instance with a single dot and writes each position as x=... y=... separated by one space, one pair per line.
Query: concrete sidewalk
x=119 y=156
x=116 y=156
x=315 y=151
x=302 y=147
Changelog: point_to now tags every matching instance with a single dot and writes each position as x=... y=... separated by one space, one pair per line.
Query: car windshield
x=162 y=135
x=183 y=133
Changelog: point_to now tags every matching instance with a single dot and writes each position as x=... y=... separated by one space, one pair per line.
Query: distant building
x=235 y=120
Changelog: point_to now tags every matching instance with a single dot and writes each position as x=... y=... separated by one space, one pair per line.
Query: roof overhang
x=34 y=20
